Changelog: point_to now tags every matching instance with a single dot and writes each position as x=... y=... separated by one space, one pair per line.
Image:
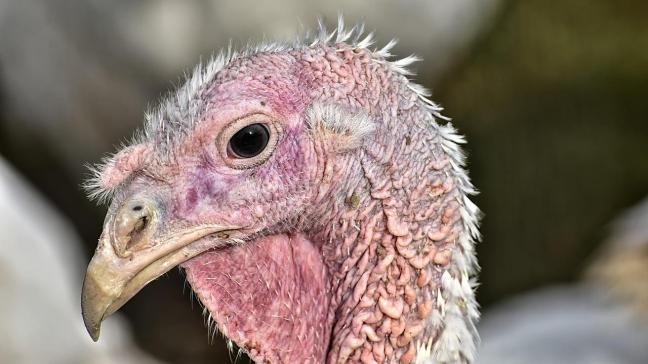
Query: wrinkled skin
x=339 y=243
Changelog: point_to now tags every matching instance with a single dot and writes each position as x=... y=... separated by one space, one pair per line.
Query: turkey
x=315 y=198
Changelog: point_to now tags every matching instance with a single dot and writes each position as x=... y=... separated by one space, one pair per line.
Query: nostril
x=139 y=225
x=135 y=235
x=133 y=227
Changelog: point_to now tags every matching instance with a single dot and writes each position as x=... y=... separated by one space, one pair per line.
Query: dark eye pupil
x=249 y=141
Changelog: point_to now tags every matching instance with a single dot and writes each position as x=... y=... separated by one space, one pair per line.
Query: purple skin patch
x=351 y=235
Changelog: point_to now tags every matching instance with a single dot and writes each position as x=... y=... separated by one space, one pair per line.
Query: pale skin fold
x=349 y=239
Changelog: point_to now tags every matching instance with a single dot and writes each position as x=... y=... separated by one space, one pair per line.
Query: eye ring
x=258 y=135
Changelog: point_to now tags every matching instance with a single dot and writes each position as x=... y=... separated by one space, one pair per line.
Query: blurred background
x=552 y=96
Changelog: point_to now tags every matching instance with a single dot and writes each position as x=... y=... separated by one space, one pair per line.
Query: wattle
x=270 y=296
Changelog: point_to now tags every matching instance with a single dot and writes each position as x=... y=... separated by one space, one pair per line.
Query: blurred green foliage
x=554 y=101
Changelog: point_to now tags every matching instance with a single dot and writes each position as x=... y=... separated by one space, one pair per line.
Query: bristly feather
x=458 y=339
x=95 y=189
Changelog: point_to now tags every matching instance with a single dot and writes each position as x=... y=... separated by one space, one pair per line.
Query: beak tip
x=92 y=326
x=94 y=333
x=93 y=308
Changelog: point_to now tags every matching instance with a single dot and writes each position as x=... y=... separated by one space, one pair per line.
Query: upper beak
x=128 y=257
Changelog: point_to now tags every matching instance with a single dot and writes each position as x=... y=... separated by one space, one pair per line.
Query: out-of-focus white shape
x=571 y=324
x=603 y=320
x=630 y=230
x=40 y=267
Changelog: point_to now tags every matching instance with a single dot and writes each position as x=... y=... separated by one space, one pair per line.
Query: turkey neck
x=396 y=266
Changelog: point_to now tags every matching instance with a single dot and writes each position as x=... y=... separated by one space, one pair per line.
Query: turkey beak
x=129 y=256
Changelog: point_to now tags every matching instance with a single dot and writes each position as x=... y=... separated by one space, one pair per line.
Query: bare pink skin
x=281 y=285
x=344 y=247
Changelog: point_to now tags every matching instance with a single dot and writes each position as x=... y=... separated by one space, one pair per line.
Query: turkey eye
x=249 y=141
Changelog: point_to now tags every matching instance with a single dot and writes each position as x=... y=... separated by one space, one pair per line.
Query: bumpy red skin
x=345 y=249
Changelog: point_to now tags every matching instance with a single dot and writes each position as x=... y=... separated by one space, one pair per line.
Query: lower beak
x=112 y=279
